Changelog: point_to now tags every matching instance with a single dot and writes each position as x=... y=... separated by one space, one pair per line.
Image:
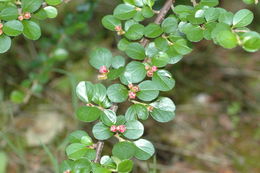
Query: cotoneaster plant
x=142 y=76
x=138 y=79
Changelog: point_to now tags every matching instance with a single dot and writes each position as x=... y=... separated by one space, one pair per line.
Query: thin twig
x=194 y=2
x=160 y=17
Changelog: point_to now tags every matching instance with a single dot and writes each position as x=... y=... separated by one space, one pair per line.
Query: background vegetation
x=217 y=128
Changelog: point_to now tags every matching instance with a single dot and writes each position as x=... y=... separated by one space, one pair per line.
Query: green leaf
x=163 y=80
x=193 y=32
x=107 y=162
x=9 y=13
x=161 y=59
x=226 y=17
x=163 y=110
x=209 y=27
x=124 y=11
x=17 y=96
x=5 y=43
x=251 y=41
x=31 y=30
x=82 y=165
x=117 y=93
x=135 y=51
x=118 y=61
x=66 y=165
x=84 y=91
x=125 y=166
x=123 y=44
x=53 y=2
x=162 y=44
x=100 y=170
x=76 y=151
x=227 y=39
x=86 y=140
x=147 y=12
x=151 y=50
x=109 y=117
x=153 y=30
x=101 y=57
x=170 y=25
x=138 y=16
x=148 y=91
x=211 y=14
x=134 y=129
x=243 y=18
x=100 y=93
x=115 y=73
x=120 y=120
x=145 y=149
x=135 y=32
x=124 y=150
x=101 y=131
x=75 y=137
x=210 y=3
x=88 y=114
x=182 y=47
x=110 y=22
x=136 y=111
x=31 y=5
x=51 y=12
x=183 y=11
x=129 y=23
x=135 y=72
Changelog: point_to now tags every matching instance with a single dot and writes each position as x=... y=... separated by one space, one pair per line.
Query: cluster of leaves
x=22 y=17
x=143 y=78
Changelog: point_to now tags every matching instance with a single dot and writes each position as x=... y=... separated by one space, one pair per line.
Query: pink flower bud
x=130 y=86
x=154 y=68
x=135 y=89
x=20 y=18
x=67 y=171
x=118 y=28
x=121 y=128
x=27 y=15
x=147 y=67
x=103 y=69
x=132 y=95
x=150 y=108
x=113 y=128
x=149 y=73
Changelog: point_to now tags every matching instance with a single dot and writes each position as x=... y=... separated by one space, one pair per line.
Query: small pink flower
x=20 y=18
x=135 y=89
x=113 y=128
x=149 y=73
x=103 y=69
x=130 y=86
x=27 y=15
x=118 y=28
x=121 y=128
x=132 y=95
x=154 y=68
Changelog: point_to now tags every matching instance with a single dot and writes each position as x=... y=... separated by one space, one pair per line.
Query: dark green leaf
x=135 y=51
x=135 y=72
x=163 y=80
x=145 y=149
x=135 y=32
x=153 y=30
x=101 y=131
x=124 y=150
x=5 y=43
x=88 y=114
x=134 y=129
x=31 y=30
x=110 y=22
x=31 y=5
x=136 y=111
x=148 y=91
x=101 y=57
x=125 y=166
x=117 y=93
x=243 y=18
x=84 y=91
x=124 y=11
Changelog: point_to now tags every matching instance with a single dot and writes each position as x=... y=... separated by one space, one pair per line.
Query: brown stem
x=160 y=17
